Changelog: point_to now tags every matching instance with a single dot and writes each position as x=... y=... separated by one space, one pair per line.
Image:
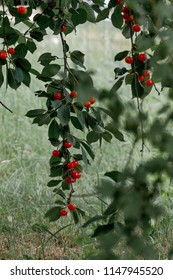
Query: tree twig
x=5 y=107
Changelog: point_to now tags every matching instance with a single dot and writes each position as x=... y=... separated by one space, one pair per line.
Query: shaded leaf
x=103 y=229
x=94 y=219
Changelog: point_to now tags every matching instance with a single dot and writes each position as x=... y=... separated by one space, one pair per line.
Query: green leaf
x=60 y=203
x=64 y=114
x=37 y=35
x=31 y=46
x=94 y=219
x=75 y=217
x=57 y=26
x=19 y=75
x=98 y=129
x=111 y=127
x=76 y=123
x=79 y=17
x=71 y=139
x=55 y=161
x=56 y=171
x=120 y=71
x=34 y=113
x=81 y=118
x=84 y=156
x=126 y=31
x=103 y=229
x=53 y=214
x=65 y=185
x=53 y=183
x=89 y=10
x=42 y=119
x=23 y=63
x=121 y=55
x=46 y=58
x=92 y=137
x=1 y=76
x=107 y=136
x=114 y=175
x=26 y=78
x=116 y=18
x=117 y=85
x=50 y=70
x=103 y=14
x=20 y=50
x=11 y=79
x=78 y=58
x=61 y=193
x=42 y=21
x=88 y=148
x=53 y=132
x=80 y=211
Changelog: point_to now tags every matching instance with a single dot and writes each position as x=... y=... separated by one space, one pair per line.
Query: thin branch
x=156 y=89
x=5 y=107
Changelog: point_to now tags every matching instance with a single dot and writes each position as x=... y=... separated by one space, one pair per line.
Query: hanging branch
x=136 y=90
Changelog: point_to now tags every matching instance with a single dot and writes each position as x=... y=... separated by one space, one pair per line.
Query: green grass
x=25 y=151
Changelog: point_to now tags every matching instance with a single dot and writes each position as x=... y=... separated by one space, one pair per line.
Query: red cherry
x=92 y=100
x=63 y=212
x=149 y=83
x=71 y=207
x=87 y=104
x=22 y=10
x=3 y=55
x=57 y=96
x=118 y=2
x=67 y=145
x=78 y=175
x=125 y=9
x=70 y=180
x=11 y=50
x=63 y=28
x=141 y=78
x=129 y=59
x=136 y=28
x=75 y=175
x=147 y=73
x=73 y=94
x=125 y=16
x=56 y=153
x=75 y=163
x=70 y=165
x=142 y=57
x=127 y=21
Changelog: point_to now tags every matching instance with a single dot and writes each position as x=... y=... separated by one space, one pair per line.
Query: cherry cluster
x=145 y=77
x=58 y=95
x=128 y=17
x=73 y=94
x=71 y=174
x=91 y=101
x=70 y=206
x=4 y=53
